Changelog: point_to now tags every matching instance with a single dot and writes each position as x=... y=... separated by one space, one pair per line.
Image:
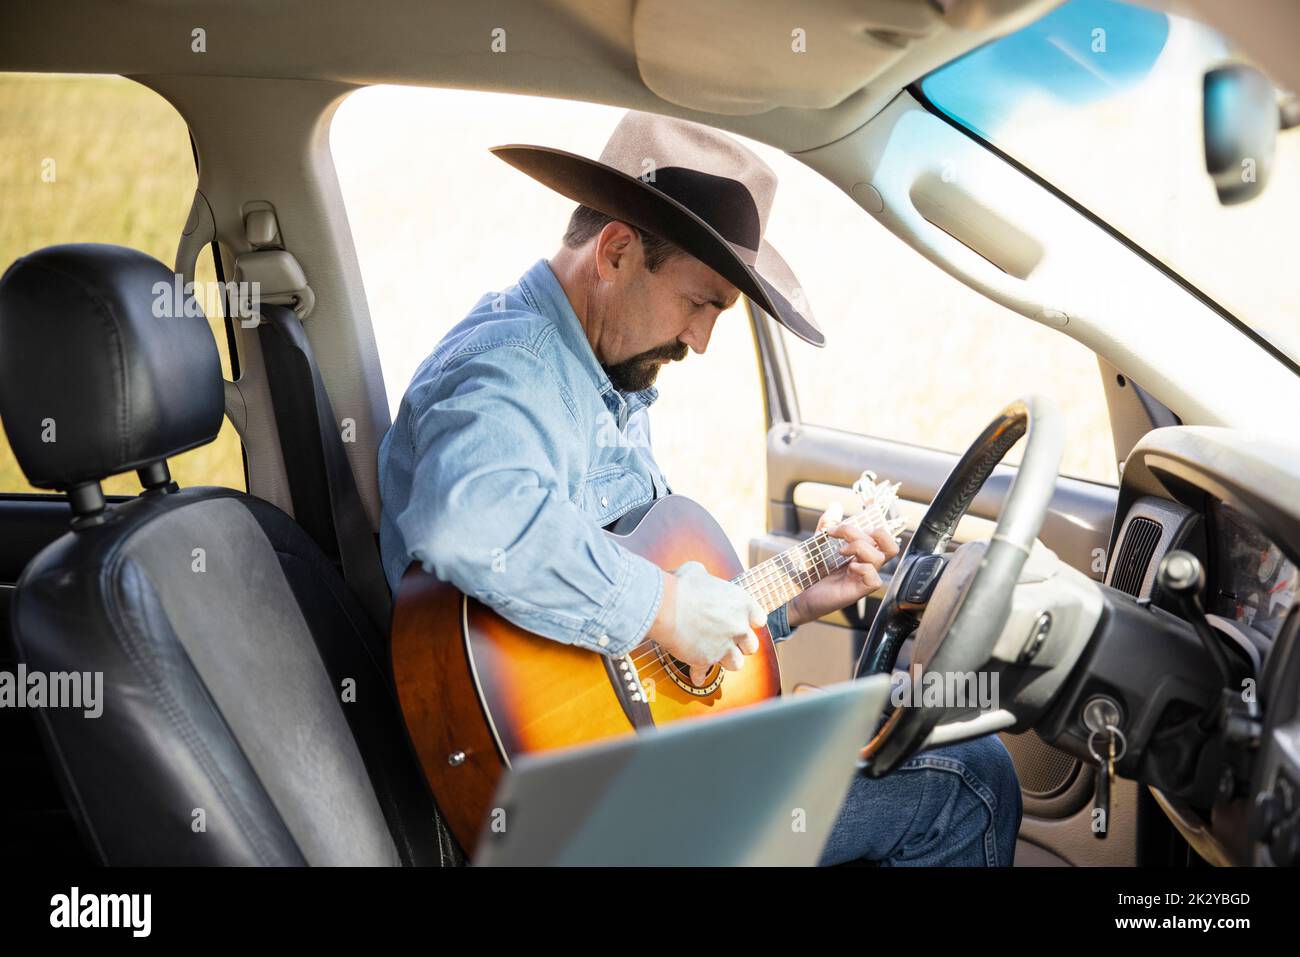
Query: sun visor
x=740 y=57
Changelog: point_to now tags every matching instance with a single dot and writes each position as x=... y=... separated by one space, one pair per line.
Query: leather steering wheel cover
x=983 y=608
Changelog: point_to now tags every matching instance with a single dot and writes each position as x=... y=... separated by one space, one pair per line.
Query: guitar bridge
x=632 y=697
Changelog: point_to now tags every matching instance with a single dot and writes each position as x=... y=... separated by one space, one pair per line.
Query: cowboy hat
x=691 y=185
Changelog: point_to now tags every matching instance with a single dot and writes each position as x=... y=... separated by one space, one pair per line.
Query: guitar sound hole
x=680 y=672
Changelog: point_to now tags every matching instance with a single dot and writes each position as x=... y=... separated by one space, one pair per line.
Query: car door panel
x=826 y=462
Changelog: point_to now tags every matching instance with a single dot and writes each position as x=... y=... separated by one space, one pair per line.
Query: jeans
x=957 y=805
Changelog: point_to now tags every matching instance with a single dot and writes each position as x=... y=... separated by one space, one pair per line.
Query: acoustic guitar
x=477 y=691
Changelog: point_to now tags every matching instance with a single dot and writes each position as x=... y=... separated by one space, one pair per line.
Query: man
x=525 y=433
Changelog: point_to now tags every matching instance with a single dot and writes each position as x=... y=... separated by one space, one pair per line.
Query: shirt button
x=604 y=502
x=603 y=641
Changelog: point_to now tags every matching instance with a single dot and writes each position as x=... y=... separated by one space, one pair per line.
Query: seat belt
x=330 y=511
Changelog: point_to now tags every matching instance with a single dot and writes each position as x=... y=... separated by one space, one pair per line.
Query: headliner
x=727 y=63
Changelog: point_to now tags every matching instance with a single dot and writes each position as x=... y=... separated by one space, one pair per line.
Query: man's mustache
x=674 y=351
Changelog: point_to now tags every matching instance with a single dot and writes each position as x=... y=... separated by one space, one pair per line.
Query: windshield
x=1103 y=100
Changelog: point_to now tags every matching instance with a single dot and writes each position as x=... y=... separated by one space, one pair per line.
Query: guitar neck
x=774 y=582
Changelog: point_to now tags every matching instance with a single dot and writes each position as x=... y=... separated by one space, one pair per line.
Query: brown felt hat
x=691 y=185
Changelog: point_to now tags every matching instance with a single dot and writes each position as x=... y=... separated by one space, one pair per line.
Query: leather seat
x=245 y=718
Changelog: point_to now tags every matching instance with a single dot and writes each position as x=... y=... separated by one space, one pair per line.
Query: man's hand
x=859 y=578
x=704 y=621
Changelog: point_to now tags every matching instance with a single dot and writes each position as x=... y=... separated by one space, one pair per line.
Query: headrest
x=103 y=367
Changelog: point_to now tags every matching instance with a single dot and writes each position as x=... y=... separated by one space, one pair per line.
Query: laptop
x=758 y=786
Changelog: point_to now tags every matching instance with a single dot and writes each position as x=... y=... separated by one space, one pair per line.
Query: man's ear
x=614 y=248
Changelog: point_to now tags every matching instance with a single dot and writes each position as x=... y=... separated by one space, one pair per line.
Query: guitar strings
x=771 y=578
x=600 y=687
x=772 y=582
x=833 y=561
x=779 y=569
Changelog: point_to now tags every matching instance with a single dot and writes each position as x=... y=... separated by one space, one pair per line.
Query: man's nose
x=697 y=335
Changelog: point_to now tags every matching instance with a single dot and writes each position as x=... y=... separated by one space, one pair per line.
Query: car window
x=437 y=221
x=912 y=355
x=103 y=159
x=1104 y=101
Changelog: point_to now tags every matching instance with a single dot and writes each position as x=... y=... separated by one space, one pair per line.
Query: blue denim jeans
x=955 y=806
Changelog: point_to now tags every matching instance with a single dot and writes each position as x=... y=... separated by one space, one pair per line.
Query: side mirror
x=1241 y=118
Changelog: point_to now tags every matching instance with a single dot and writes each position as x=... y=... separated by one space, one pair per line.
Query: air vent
x=1140 y=540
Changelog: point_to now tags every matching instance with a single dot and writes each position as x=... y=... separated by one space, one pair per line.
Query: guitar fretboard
x=777 y=580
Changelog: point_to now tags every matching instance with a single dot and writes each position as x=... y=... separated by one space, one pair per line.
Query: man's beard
x=640 y=371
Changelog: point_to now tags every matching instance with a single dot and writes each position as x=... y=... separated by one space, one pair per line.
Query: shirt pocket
x=609 y=491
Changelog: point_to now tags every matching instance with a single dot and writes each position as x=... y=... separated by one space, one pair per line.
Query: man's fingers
x=748 y=644
x=885 y=542
x=880 y=539
x=700 y=675
x=858 y=543
x=833 y=515
x=870 y=577
x=733 y=660
x=757 y=617
x=865 y=550
x=847 y=531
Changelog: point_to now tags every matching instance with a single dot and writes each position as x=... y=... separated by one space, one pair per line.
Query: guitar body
x=478 y=691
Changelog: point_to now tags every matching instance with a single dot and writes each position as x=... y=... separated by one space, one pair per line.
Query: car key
x=1105 y=781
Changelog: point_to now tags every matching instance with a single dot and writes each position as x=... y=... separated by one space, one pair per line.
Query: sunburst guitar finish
x=478 y=691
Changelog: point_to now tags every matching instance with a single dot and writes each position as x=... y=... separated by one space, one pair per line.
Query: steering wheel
x=958 y=604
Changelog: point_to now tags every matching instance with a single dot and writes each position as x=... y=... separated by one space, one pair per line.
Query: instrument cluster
x=1255 y=582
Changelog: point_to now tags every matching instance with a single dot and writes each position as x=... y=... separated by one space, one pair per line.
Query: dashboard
x=1232 y=499
x=1251 y=575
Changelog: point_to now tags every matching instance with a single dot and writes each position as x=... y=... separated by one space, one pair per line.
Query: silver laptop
x=762 y=785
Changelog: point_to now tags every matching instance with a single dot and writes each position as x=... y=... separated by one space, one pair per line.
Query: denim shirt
x=510 y=453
